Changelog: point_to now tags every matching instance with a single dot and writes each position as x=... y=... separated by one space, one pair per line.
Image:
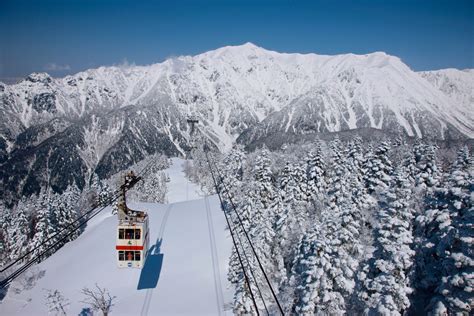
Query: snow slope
x=188 y=263
x=178 y=184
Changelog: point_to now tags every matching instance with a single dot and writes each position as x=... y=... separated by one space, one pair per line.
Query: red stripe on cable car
x=129 y=247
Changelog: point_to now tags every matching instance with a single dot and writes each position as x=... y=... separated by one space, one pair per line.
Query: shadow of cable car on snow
x=151 y=270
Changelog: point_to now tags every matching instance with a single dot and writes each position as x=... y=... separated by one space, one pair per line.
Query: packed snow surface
x=185 y=274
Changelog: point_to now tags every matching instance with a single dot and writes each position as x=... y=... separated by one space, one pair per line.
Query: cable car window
x=129 y=255
x=129 y=233
x=137 y=256
x=121 y=255
x=121 y=233
x=137 y=233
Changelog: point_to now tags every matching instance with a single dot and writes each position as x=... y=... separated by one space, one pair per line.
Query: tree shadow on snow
x=151 y=270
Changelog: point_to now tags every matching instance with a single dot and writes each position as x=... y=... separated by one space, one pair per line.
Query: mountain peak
x=243 y=49
x=250 y=45
x=247 y=45
x=39 y=77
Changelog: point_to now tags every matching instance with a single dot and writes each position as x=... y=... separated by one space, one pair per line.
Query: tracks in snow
x=163 y=223
x=215 y=259
x=149 y=292
x=146 y=302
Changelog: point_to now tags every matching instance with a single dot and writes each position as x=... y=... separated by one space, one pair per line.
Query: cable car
x=132 y=230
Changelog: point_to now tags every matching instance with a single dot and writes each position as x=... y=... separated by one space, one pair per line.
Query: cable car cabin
x=132 y=244
x=132 y=230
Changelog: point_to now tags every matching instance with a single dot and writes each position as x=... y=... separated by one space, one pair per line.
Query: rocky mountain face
x=457 y=84
x=57 y=131
x=377 y=91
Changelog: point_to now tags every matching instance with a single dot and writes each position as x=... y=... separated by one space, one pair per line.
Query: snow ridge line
x=215 y=259
x=161 y=231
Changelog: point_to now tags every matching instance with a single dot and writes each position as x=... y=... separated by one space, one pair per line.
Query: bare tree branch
x=99 y=299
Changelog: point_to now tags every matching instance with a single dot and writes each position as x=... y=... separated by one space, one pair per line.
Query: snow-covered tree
x=56 y=302
x=448 y=226
x=291 y=211
x=355 y=156
x=152 y=188
x=256 y=212
x=321 y=276
x=311 y=276
x=377 y=169
x=243 y=304
x=99 y=299
x=329 y=257
x=426 y=171
x=386 y=277
x=18 y=232
x=232 y=171
x=44 y=229
x=315 y=168
x=264 y=178
x=105 y=194
x=64 y=214
x=5 y=223
x=199 y=172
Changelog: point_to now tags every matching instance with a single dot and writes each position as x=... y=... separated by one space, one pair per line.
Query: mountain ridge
x=111 y=117
x=132 y=78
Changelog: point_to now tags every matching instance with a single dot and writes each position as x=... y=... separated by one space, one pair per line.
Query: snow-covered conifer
x=378 y=169
x=18 y=232
x=64 y=213
x=232 y=171
x=315 y=168
x=449 y=228
x=328 y=258
x=104 y=193
x=44 y=227
x=5 y=223
x=386 y=282
x=355 y=155
x=427 y=173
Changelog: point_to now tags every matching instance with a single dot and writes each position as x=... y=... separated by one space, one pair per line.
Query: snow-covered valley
x=185 y=274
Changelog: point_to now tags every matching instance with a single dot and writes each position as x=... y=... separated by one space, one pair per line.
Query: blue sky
x=67 y=36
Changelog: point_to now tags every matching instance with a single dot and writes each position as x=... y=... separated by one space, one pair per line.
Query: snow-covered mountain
x=457 y=84
x=106 y=118
x=377 y=91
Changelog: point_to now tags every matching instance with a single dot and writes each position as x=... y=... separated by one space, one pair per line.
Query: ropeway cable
x=248 y=263
x=252 y=272
x=65 y=228
x=249 y=241
x=233 y=238
x=29 y=263
x=32 y=261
